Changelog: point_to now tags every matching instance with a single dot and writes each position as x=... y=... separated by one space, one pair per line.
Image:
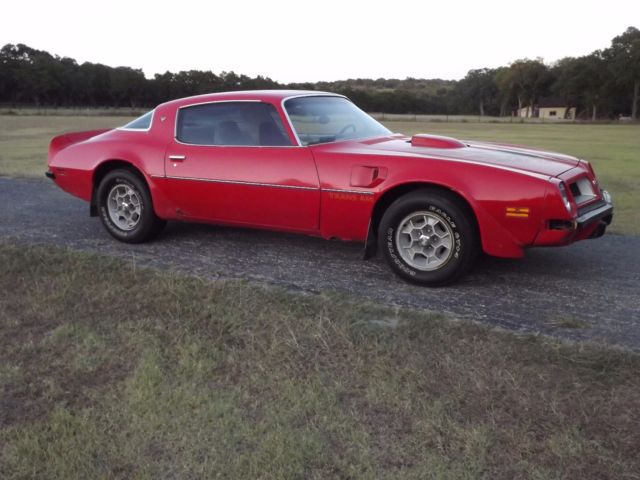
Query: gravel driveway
x=587 y=291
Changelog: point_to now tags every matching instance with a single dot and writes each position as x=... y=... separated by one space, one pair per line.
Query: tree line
x=603 y=84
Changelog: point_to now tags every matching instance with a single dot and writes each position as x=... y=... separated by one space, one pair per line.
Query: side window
x=140 y=123
x=231 y=123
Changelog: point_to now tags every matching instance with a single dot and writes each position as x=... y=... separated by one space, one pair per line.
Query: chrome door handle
x=177 y=158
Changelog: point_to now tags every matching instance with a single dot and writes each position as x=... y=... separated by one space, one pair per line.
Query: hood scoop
x=435 y=141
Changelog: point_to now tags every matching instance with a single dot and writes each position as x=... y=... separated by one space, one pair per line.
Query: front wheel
x=125 y=207
x=429 y=237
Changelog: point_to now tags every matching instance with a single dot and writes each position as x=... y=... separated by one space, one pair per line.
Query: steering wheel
x=346 y=128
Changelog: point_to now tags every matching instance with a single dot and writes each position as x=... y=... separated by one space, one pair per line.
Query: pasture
x=613 y=149
x=108 y=370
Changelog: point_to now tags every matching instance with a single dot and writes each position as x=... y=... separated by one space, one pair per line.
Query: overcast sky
x=298 y=40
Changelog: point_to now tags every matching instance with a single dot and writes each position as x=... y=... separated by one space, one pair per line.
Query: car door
x=233 y=162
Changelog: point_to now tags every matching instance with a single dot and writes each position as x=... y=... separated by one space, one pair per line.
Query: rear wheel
x=125 y=207
x=429 y=237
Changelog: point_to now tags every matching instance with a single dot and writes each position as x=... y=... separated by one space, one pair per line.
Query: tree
x=505 y=95
x=624 y=61
x=8 y=67
x=527 y=80
x=478 y=88
x=27 y=73
x=583 y=81
x=126 y=86
x=602 y=83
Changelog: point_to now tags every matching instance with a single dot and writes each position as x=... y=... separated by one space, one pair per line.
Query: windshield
x=318 y=119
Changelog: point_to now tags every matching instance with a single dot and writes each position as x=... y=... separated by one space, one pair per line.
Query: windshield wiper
x=322 y=140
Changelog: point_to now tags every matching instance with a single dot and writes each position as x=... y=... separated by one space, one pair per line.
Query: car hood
x=500 y=155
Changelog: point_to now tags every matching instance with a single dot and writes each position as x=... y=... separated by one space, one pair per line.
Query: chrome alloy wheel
x=424 y=240
x=124 y=206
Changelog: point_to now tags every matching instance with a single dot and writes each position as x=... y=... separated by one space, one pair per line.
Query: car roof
x=271 y=96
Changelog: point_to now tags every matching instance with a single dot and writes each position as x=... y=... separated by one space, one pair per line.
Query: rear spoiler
x=62 y=141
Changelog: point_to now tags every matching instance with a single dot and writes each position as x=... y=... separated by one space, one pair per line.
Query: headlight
x=565 y=197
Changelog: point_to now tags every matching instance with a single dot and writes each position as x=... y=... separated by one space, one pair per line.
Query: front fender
x=508 y=206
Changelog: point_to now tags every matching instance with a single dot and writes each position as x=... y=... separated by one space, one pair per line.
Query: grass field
x=614 y=150
x=112 y=371
x=24 y=139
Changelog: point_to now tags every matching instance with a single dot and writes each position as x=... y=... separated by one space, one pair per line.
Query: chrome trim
x=244 y=100
x=240 y=182
x=175 y=126
x=153 y=114
x=235 y=146
x=177 y=158
x=359 y=192
x=261 y=184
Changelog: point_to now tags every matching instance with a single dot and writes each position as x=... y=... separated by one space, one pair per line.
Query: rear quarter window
x=140 y=123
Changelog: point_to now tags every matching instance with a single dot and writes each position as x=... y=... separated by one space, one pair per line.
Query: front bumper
x=599 y=211
x=591 y=222
x=50 y=174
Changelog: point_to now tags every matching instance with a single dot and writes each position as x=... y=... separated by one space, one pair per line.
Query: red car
x=313 y=163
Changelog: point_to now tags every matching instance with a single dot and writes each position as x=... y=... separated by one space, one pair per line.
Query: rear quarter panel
x=74 y=164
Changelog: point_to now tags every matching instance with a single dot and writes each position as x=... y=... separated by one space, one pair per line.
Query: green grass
x=24 y=139
x=614 y=150
x=110 y=371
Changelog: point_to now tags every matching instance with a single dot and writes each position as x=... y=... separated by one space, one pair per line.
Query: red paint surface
x=329 y=189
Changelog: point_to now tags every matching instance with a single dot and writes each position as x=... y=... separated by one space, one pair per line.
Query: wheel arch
x=397 y=191
x=105 y=167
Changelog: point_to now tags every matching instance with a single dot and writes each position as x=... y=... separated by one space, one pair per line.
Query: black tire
x=147 y=225
x=457 y=222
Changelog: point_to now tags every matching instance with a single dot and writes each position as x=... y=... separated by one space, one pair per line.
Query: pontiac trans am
x=313 y=163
